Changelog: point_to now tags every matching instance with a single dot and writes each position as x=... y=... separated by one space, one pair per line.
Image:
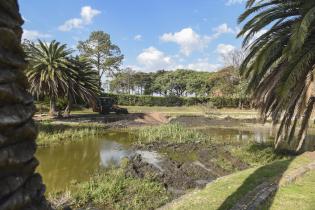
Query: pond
x=75 y=162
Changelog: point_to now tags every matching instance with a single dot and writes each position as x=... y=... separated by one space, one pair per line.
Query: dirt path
x=113 y=120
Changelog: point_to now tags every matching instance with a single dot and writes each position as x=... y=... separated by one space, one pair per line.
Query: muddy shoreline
x=178 y=175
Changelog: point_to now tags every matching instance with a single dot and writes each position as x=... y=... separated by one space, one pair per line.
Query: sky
x=152 y=34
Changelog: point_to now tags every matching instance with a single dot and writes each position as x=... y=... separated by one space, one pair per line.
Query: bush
x=146 y=100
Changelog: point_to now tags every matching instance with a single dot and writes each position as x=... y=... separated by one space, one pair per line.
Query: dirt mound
x=177 y=178
x=152 y=118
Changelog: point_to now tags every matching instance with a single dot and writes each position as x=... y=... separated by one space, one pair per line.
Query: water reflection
x=77 y=161
x=259 y=135
x=111 y=153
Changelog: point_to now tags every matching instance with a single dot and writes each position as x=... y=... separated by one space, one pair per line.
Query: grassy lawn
x=299 y=195
x=226 y=191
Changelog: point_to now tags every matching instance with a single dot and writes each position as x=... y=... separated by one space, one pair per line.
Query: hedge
x=146 y=100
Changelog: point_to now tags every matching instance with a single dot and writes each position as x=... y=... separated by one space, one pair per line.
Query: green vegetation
x=181 y=82
x=280 y=65
x=255 y=153
x=112 y=189
x=298 y=195
x=226 y=191
x=101 y=53
x=53 y=73
x=250 y=152
x=170 y=101
x=53 y=133
x=173 y=133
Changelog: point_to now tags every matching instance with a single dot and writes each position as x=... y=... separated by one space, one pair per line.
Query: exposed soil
x=180 y=175
x=113 y=120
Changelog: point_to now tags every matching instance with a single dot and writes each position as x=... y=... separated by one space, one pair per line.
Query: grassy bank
x=111 y=189
x=226 y=191
x=250 y=152
x=172 y=133
x=54 y=134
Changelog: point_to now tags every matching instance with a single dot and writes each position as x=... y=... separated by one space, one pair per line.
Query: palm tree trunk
x=68 y=108
x=53 y=109
x=20 y=187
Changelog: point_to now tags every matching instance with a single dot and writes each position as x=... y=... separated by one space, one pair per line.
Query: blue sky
x=152 y=34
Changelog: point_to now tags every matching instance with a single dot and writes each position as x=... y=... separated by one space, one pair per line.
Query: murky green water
x=74 y=162
x=60 y=165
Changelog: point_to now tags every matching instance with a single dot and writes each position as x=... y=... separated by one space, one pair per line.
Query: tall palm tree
x=280 y=65
x=48 y=71
x=20 y=187
x=83 y=83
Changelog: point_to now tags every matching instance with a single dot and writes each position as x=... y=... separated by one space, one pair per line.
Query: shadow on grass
x=265 y=174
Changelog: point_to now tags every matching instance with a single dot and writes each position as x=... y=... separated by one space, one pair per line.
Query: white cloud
x=153 y=59
x=222 y=29
x=138 y=37
x=224 y=50
x=87 y=14
x=190 y=41
x=33 y=34
x=187 y=39
x=233 y=2
x=202 y=64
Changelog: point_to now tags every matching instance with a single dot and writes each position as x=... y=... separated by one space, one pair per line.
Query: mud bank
x=191 y=165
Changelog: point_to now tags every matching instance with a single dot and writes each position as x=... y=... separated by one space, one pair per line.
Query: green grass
x=256 y=154
x=251 y=152
x=172 y=133
x=299 y=195
x=226 y=191
x=54 y=134
x=112 y=190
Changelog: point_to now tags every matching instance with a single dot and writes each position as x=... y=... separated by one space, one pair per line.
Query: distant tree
x=234 y=58
x=102 y=53
x=199 y=84
x=224 y=81
x=123 y=81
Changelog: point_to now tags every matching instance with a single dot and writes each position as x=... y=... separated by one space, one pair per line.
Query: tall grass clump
x=111 y=189
x=172 y=132
x=52 y=134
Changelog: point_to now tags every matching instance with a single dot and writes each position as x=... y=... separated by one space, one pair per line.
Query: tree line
x=180 y=82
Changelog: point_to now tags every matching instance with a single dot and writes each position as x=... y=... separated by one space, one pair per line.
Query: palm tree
x=82 y=83
x=280 y=65
x=20 y=187
x=48 y=72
